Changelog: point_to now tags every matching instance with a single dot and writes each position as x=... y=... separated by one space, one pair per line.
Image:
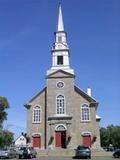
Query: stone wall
x=72 y=118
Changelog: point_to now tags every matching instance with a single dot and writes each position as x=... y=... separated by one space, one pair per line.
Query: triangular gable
x=19 y=137
x=85 y=95
x=34 y=97
x=60 y=74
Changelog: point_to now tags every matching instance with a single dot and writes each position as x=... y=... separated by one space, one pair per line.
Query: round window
x=60 y=84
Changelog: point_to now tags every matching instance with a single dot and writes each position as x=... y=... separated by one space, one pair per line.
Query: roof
x=85 y=95
x=36 y=95
x=77 y=89
x=98 y=117
x=19 y=137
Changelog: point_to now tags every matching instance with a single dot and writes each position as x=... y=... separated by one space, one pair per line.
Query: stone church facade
x=62 y=115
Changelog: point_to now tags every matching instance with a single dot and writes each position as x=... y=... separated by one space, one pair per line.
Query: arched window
x=60 y=104
x=85 y=112
x=37 y=114
x=60 y=127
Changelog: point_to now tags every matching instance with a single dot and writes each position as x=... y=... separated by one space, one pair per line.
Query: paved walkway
x=66 y=158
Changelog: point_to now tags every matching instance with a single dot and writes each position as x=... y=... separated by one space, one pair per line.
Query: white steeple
x=60 y=26
x=60 y=50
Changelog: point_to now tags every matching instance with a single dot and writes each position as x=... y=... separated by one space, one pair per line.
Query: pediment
x=60 y=74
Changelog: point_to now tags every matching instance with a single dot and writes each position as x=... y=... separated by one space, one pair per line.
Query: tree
x=3 y=106
x=114 y=138
x=6 y=138
x=110 y=135
x=104 y=137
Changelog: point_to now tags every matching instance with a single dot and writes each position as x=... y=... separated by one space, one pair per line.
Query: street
x=69 y=158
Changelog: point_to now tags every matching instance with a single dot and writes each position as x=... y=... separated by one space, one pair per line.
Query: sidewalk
x=70 y=153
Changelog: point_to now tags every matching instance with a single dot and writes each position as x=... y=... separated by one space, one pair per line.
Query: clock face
x=60 y=84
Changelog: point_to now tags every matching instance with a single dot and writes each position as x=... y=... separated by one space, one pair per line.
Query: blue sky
x=26 y=37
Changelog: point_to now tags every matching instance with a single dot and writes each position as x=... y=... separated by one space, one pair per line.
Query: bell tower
x=60 y=50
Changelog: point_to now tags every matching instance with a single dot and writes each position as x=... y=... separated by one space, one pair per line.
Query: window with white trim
x=60 y=104
x=37 y=114
x=85 y=112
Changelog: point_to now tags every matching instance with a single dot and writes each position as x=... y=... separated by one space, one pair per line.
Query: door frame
x=86 y=134
x=60 y=128
x=37 y=135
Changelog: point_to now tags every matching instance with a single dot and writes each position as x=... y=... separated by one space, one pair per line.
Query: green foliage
x=3 y=106
x=6 y=138
x=104 y=137
x=110 y=135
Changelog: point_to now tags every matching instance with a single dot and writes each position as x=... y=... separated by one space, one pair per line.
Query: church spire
x=60 y=49
x=60 y=26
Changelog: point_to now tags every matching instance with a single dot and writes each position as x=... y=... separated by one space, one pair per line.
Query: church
x=62 y=115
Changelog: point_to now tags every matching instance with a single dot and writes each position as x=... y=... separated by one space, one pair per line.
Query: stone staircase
x=70 y=153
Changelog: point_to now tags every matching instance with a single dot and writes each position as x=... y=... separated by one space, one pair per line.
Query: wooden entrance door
x=87 y=140
x=63 y=139
x=60 y=139
x=37 y=141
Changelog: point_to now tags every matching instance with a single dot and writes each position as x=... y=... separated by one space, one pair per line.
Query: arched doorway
x=60 y=136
